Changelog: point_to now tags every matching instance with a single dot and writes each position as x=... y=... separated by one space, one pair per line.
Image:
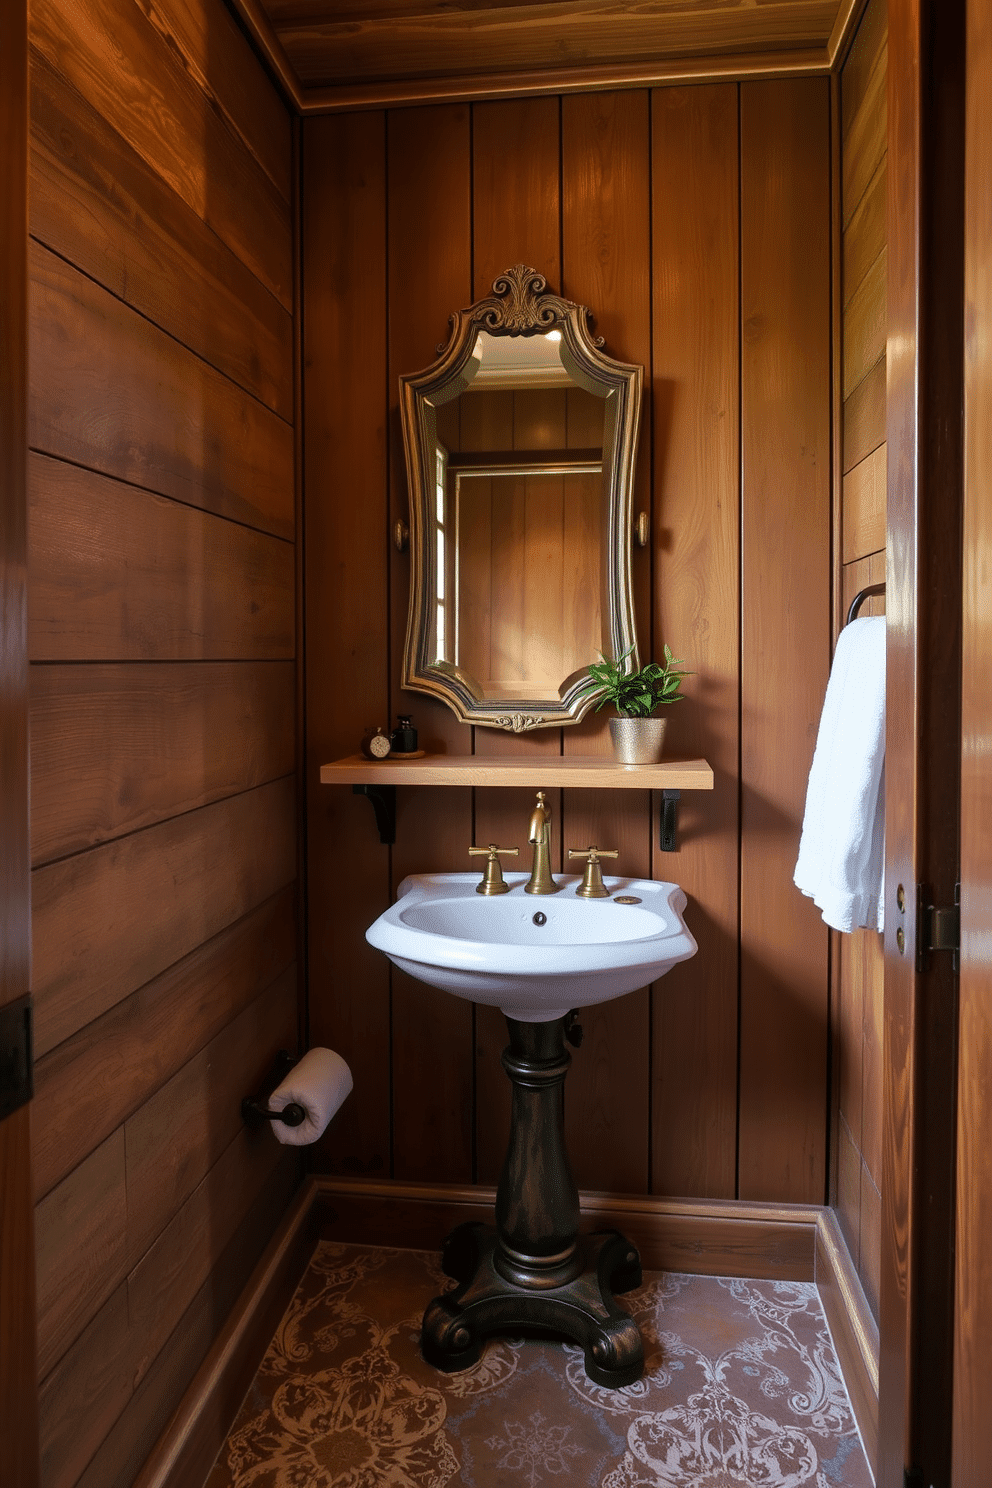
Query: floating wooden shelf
x=578 y=771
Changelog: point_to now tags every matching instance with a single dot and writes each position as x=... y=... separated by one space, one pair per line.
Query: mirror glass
x=520 y=445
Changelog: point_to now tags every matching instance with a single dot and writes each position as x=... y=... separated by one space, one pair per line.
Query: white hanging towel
x=842 y=851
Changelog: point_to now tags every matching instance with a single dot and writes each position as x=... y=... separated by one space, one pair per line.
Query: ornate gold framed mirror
x=520 y=447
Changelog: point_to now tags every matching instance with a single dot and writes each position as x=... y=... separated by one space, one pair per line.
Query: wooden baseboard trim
x=777 y=1242
x=711 y=1237
x=852 y=1327
x=187 y=1448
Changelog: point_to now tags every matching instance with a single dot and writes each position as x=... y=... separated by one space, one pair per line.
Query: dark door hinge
x=16 y=1062
x=939 y=926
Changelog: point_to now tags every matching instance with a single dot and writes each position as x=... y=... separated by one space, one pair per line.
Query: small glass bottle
x=404 y=736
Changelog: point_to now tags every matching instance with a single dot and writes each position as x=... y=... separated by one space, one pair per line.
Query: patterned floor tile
x=741 y=1390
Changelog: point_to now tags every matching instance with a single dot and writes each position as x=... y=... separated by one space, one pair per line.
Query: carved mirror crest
x=520 y=446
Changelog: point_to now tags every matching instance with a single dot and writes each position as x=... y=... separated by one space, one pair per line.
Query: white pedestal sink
x=538 y=958
x=533 y=956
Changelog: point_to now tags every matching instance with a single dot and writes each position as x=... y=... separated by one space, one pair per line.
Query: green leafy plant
x=636 y=694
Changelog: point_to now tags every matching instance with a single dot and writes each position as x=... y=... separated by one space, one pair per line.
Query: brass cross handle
x=492 y=879
x=592 y=885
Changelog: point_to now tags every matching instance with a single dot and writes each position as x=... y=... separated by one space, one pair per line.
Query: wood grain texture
x=217 y=56
x=695 y=525
x=863 y=507
x=98 y=1424
x=706 y=1237
x=81 y=1248
x=972 y=1421
x=112 y=392
x=587 y=772
x=135 y=79
x=429 y=253
x=864 y=418
x=149 y=579
x=606 y=237
x=96 y=203
x=171 y=887
x=785 y=279
x=196 y=1433
x=864 y=236
x=863 y=115
x=18 y=1399
x=169 y=1274
x=95 y=1080
x=852 y=1328
x=926 y=151
x=865 y=326
x=346 y=536
x=433 y=40
x=117 y=748
x=174 y=1139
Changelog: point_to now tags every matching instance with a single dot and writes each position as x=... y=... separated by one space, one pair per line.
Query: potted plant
x=638 y=737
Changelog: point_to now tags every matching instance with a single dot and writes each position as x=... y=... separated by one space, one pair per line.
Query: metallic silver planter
x=638 y=741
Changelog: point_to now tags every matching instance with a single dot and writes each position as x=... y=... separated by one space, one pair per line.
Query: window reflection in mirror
x=520 y=521
x=520 y=445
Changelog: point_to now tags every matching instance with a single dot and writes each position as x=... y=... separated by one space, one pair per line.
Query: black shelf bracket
x=383 y=798
x=669 y=819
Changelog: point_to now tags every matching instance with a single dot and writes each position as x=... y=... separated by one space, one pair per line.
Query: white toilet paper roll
x=319 y=1083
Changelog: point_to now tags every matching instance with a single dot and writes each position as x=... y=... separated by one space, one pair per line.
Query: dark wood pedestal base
x=533 y=1272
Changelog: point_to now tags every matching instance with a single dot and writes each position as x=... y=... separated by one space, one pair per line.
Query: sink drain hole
x=540 y=918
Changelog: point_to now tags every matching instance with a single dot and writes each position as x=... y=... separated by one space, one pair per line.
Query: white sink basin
x=490 y=950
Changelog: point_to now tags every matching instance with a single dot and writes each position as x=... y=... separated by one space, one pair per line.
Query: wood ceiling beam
x=690 y=41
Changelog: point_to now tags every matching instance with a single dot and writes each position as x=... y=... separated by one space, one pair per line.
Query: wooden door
x=972 y=1420
x=18 y=1394
x=923 y=600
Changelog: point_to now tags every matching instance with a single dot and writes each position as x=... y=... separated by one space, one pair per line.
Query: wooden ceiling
x=347 y=54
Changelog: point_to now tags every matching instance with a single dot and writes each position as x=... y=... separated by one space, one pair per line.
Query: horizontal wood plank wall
x=857 y=1120
x=629 y=202
x=162 y=639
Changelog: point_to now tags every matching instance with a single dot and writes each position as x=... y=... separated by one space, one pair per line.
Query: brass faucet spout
x=539 y=835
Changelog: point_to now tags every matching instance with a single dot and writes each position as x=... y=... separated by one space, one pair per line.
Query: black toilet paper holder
x=254 y=1108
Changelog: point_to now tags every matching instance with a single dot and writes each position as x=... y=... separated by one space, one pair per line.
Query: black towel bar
x=860 y=597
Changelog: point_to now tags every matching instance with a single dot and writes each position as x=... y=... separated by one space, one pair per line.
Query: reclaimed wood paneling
x=81 y=1247
x=171 y=887
x=606 y=189
x=139 y=83
x=149 y=579
x=864 y=418
x=863 y=507
x=695 y=535
x=427 y=41
x=117 y=748
x=346 y=516
x=18 y=1399
x=785 y=401
x=429 y=255
x=111 y=391
x=88 y=1085
x=862 y=515
x=96 y=203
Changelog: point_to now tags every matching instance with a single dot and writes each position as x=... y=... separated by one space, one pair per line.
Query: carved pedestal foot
x=583 y=1309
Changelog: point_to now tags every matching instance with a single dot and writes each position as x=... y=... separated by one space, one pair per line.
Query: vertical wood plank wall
x=857 y=1169
x=695 y=223
x=18 y=1397
x=162 y=638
